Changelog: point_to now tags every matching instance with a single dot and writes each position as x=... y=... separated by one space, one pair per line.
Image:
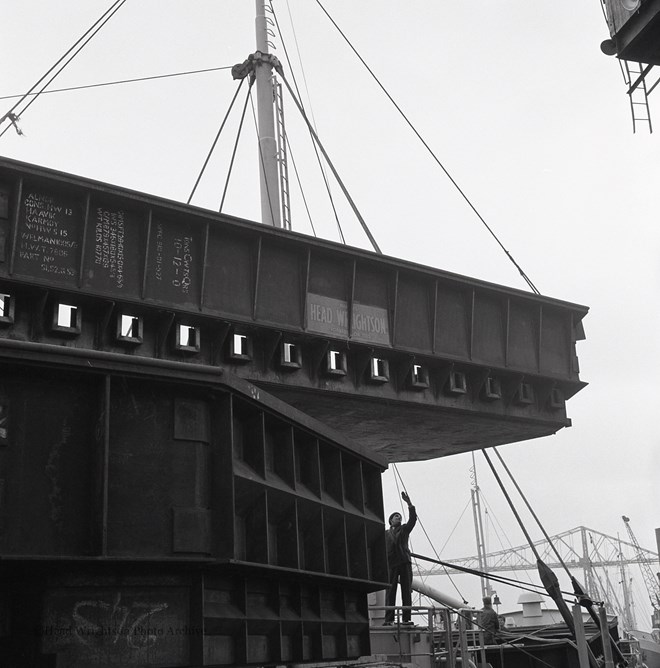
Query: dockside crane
x=650 y=580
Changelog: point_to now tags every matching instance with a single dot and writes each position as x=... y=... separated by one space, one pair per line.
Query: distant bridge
x=579 y=548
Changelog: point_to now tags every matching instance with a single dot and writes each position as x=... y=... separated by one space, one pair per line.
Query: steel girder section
x=337 y=331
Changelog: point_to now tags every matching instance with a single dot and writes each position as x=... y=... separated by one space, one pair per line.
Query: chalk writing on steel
x=173 y=257
x=182 y=263
x=48 y=237
x=117 y=623
x=109 y=243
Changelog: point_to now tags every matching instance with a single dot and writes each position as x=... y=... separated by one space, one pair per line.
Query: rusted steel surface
x=336 y=331
x=153 y=516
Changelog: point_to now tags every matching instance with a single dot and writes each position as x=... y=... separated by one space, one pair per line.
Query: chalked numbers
x=48 y=237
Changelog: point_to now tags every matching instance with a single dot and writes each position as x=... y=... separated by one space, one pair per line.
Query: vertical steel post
x=605 y=637
x=580 y=637
x=268 y=174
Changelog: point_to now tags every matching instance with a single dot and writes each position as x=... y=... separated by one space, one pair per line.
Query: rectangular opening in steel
x=419 y=377
x=129 y=328
x=290 y=355
x=240 y=347
x=336 y=363
x=457 y=383
x=66 y=318
x=492 y=389
x=379 y=370
x=187 y=338
x=6 y=308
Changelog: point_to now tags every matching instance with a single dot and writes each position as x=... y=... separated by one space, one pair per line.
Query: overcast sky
x=523 y=109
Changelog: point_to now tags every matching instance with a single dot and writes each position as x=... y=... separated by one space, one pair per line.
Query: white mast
x=479 y=530
x=268 y=172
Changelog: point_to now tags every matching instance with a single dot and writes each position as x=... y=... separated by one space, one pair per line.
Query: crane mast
x=651 y=582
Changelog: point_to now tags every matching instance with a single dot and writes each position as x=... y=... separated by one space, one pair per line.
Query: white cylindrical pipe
x=436 y=595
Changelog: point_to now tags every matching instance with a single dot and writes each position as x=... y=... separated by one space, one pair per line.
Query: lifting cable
x=421 y=524
x=302 y=192
x=578 y=590
x=316 y=152
x=115 y=83
x=433 y=155
x=233 y=154
x=500 y=579
x=474 y=622
x=510 y=546
x=531 y=510
x=332 y=167
x=215 y=141
x=13 y=115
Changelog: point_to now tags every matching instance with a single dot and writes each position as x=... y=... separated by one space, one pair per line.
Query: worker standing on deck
x=398 y=559
x=489 y=621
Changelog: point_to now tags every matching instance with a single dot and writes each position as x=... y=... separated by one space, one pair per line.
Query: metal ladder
x=634 y=74
x=282 y=155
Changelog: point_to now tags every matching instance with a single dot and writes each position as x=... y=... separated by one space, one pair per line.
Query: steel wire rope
x=492 y=514
x=474 y=622
x=352 y=204
x=421 y=524
x=513 y=570
x=116 y=83
x=547 y=575
x=444 y=564
x=521 y=524
x=316 y=152
x=451 y=533
x=233 y=154
x=537 y=589
x=262 y=162
x=432 y=153
x=531 y=510
x=215 y=141
x=74 y=50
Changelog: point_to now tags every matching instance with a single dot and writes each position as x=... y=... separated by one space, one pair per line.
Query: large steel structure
x=157 y=506
x=368 y=344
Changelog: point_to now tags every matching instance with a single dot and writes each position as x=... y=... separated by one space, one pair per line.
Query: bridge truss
x=592 y=552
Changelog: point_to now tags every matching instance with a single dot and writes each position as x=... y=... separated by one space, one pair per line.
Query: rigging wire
x=115 y=83
x=431 y=152
x=535 y=588
x=531 y=510
x=215 y=141
x=67 y=57
x=316 y=151
x=302 y=192
x=468 y=617
x=500 y=541
x=364 y=225
x=451 y=533
x=233 y=154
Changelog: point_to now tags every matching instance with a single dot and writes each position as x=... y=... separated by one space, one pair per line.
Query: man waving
x=398 y=559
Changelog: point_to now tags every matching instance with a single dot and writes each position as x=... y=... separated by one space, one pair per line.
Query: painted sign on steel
x=327 y=315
